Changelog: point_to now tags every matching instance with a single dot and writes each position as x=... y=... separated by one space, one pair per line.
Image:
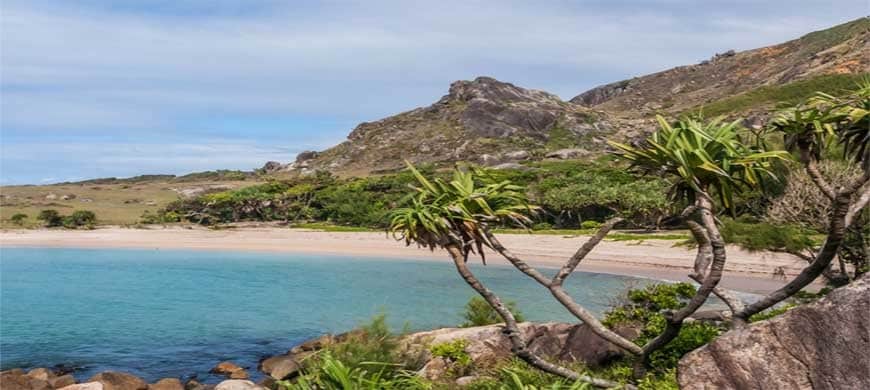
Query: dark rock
x=167 y=384
x=269 y=383
x=306 y=155
x=821 y=345
x=583 y=345
x=272 y=166
x=112 y=380
x=194 y=384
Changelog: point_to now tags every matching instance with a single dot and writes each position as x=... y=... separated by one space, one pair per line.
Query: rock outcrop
x=113 y=380
x=822 y=345
x=487 y=345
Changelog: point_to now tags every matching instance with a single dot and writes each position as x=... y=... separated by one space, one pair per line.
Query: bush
x=762 y=236
x=478 y=313
x=590 y=225
x=80 y=218
x=51 y=218
x=644 y=308
x=18 y=219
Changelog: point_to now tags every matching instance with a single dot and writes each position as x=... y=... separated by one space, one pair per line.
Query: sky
x=92 y=88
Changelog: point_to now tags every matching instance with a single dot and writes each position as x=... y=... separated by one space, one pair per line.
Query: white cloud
x=126 y=71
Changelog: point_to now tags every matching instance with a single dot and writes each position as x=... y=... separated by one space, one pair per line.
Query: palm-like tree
x=456 y=215
x=702 y=159
x=809 y=129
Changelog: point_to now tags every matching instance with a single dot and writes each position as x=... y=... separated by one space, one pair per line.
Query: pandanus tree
x=706 y=162
x=811 y=130
x=703 y=159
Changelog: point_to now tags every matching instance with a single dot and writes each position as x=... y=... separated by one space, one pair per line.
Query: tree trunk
x=511 y=330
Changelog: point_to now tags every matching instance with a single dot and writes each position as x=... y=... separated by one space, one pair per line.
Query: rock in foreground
x=823 y=345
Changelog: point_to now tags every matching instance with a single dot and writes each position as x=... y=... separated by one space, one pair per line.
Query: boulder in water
x=230 y=370
x=238 y=384
x=167 y=384
x=84 y=386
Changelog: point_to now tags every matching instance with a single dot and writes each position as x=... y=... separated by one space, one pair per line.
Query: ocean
x=158 y=313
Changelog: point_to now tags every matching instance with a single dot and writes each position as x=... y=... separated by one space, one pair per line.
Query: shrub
x=760 y=236
x=51 y=218
x=644 y=308
x=80 y=218
x=18 y=219
x=478 y=313
x=590 y=225
x=454 y=352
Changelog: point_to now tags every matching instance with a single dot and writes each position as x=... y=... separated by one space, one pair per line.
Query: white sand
x=749 y=272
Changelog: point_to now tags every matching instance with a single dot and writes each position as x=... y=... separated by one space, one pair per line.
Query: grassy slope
x=114 y=204
x=770 y=96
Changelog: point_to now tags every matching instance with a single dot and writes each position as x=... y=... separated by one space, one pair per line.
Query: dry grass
x=114 y=204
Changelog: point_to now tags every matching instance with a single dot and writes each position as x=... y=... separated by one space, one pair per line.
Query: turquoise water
x=177 y=313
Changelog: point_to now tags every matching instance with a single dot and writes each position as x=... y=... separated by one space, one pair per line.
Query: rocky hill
x=840 y=50
x=499 y=124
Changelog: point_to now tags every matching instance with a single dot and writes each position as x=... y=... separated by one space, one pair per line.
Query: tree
x=18 y=219
x=808 y=128
x=456 y=216
x=80 y=218
x=51 y=218
x=704 y=160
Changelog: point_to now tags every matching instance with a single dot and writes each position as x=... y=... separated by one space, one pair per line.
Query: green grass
x=781 y=94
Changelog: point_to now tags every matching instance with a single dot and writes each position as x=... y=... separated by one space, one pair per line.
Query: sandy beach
x=660 y=259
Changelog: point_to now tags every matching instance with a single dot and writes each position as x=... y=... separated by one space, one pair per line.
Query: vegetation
x=50 y=218
x=79 y=218
x=478 y=313
x=18 y=219
x=790 y=93
x=644 y=309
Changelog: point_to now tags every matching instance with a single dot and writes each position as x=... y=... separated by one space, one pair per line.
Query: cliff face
x=493 y=122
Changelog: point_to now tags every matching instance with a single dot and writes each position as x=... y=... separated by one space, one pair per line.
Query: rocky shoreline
x=569 y=342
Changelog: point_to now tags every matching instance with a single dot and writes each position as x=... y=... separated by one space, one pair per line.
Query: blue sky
x=93 y=88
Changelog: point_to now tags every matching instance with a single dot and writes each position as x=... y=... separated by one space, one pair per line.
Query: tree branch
x=813 y=170
x=859 y=203
x=512 y=331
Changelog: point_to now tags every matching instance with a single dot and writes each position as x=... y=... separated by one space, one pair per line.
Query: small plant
x=644 y=307
x=454 y=351
x=478 y=313
x=590 y=224
x=50 y=218
x=18 y=219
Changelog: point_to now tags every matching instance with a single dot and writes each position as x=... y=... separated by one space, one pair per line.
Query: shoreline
x=654 y=259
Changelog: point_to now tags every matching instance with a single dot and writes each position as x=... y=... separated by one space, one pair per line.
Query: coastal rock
x=281 y=366
x=112 y=380
x=230 y=370
x=84 y=386
x=583 y=345
x=41 y=373
x=821 y=345
x=511 y=165
x=194 y=384
x=62 y=381
x=18 y=380
x=167 y=384
x=517 y=155
x=486 y=345
x=238 y=384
